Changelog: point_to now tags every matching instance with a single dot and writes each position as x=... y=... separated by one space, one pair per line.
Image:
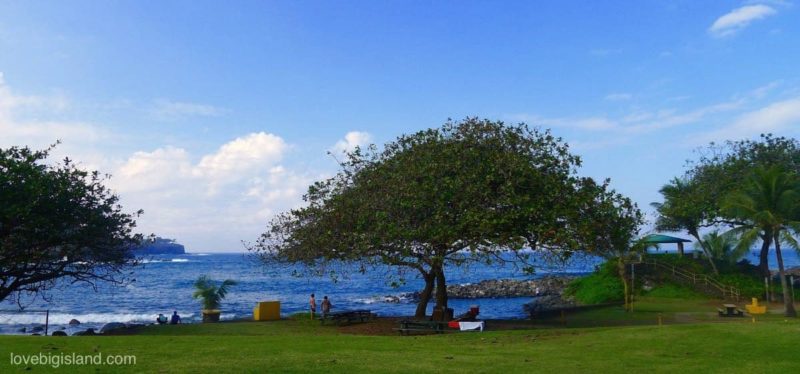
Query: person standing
x=312 y=303
x=326 y=306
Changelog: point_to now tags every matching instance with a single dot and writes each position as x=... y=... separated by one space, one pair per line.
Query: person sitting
x=176 y=319
x=162 y=319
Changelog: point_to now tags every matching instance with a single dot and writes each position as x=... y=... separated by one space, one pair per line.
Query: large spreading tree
x=58 y=223
x=475 y=190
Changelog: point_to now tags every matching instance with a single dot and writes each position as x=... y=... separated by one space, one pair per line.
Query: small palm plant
x=211 y=296
x=722 y=247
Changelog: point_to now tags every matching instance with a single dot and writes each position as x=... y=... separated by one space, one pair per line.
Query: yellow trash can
x=754 y=308
x=267 y=311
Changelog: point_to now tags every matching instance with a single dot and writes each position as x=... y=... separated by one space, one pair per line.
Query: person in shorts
x=326 y=306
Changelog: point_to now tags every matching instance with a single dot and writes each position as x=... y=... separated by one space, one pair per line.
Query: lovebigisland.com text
x=56 y=360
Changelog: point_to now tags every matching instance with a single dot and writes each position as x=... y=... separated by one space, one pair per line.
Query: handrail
x=726 y=290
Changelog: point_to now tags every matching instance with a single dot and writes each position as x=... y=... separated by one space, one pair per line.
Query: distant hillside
x=160 y=246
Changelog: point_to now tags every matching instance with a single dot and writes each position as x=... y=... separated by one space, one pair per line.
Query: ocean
x=164 y=284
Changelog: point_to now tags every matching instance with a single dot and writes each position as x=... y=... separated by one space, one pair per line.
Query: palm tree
x=769 y=202
x=210 y=294
x=680 y=212
x=623 y=255
x=723 y=247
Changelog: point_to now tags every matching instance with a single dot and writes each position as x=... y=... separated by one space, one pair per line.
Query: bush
x=602 y=286
x=748 y=285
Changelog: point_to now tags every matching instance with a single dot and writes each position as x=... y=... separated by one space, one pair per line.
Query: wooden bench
x=409 y=326
x=348 y=316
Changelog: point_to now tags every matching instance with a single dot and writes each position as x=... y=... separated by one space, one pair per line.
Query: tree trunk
x=441 y=288
x=705 y=251
x=788 y=302
x=624 y=278
x=763 y=257
x=425 y=296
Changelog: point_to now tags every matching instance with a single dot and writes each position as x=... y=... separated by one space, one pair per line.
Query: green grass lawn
x=300 y=345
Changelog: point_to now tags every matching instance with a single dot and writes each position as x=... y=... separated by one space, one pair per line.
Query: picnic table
x=731 y=310
x=408 y=326
x=347 y=316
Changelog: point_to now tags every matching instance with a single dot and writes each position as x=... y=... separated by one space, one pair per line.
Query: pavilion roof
x=658 y=238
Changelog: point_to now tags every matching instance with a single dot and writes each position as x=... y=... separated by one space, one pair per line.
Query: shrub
x=602 y=286
x=748 y=285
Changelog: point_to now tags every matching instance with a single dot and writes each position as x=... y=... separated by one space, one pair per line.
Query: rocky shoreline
x=546 y=286
x=548 y=293
x=510 y=288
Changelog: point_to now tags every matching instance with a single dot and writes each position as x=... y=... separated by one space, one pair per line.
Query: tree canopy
x=695 y=200
x=469 y=191
x=58 y=222
x=769 y=202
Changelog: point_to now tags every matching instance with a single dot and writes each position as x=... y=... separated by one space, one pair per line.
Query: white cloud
x=739 y=18
x=600 y=131
x=210 y=202
x=254 y=151
x=352 y=140
x=779 y=116
x=32 y=120
x=173 y=110
x=762 y=91
x=211 y=205
x=148 y=171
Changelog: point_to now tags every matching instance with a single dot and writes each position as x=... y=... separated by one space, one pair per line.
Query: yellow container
x=754 y=308
x=267 y=311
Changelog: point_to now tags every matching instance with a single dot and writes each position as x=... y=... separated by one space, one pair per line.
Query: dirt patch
x=377 y=326
x=386 y=326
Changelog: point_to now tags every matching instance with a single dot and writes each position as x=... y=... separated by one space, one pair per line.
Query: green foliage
x=602 y=286
x=674 y=291
x=749 y=285
x=58 y=223
x=683 y=207
x=768 y=203
x=723 y=169
x=209 y=293
x=723 y=247
x=696 y=200
x=442 y=197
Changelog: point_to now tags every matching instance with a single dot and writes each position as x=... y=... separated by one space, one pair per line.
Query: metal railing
x=727 y=291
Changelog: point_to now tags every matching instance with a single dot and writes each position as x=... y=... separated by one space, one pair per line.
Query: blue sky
x=214 y=116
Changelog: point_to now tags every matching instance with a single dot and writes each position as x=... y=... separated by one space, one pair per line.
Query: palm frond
x=789 y=239
x=746 y=236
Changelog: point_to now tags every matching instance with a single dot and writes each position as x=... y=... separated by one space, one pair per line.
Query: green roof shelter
x=664 y=239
